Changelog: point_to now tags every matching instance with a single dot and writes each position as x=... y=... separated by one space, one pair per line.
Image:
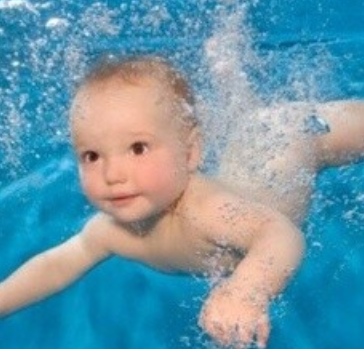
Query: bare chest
x=192 y=255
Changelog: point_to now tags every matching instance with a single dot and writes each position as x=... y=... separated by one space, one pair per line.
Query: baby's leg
x=345 y=141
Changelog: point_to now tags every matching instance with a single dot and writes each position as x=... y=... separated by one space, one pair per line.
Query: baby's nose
x=115 y=171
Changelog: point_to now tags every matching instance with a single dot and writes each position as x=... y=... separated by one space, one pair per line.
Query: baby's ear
x=194 y=143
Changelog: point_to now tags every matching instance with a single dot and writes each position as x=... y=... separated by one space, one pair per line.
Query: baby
x=138 y=145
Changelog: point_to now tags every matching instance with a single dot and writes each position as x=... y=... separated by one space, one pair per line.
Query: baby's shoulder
x=203 y=191
x=216 y=200
x=102 y=231
x=222 y=214
x=209 y=191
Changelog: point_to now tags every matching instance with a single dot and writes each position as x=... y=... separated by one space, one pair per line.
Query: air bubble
x=57 y=23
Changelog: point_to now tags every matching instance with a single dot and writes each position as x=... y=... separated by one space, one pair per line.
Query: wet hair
x=134 y=70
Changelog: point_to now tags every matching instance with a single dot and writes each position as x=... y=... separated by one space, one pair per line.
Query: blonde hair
x=133 y=70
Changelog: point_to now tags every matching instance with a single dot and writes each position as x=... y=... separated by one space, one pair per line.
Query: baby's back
x=271 y=158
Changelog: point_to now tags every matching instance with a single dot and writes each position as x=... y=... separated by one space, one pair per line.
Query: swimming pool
x=315 y=47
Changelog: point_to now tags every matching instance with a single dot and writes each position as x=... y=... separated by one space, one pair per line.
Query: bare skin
x=286 y=181
x=139 y=167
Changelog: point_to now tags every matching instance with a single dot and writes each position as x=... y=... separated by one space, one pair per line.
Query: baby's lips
x=122 y=196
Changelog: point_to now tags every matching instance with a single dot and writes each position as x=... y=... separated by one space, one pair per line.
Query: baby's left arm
x=236 y=310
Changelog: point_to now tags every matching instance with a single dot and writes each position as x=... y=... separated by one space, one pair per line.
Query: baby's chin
x=141 y=226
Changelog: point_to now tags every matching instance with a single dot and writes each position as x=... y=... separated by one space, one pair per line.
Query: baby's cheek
x=156 y=179
x=174 y=181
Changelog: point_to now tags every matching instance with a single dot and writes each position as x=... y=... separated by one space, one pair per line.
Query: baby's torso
x=202 y=258
x=188 y=250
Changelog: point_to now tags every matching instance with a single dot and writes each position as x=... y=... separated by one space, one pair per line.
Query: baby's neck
x=145 y=226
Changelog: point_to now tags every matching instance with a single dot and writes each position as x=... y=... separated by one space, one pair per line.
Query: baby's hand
x=236 y=318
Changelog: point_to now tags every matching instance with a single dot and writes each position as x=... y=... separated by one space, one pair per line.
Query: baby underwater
x=138 y=148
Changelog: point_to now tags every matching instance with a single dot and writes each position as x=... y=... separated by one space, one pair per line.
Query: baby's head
x=154 y=72
x=135 y=133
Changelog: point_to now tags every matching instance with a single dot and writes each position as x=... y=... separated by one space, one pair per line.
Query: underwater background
x=289 y=50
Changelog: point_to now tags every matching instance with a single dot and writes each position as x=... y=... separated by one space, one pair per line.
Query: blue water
x=317 y=46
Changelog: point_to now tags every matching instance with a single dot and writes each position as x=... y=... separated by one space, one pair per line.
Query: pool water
x=290 y=50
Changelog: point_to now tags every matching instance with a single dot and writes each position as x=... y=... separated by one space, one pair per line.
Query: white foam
x=18 y=4
x=57 y=22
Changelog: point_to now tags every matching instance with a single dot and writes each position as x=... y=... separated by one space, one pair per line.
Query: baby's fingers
x=242 y=337
x=216 y=330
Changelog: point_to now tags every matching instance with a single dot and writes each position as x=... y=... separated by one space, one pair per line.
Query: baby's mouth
x=122 y=200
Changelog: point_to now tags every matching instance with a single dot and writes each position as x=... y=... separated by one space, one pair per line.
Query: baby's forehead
x=152 y=89
x=148 y=94
x=147 y=97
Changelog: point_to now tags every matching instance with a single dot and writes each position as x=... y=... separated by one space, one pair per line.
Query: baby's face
x=133 y=163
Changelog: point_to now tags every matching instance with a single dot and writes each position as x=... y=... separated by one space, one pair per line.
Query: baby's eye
x=139 y=148
x=89 y=156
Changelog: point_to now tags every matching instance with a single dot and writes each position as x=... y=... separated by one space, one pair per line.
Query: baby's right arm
x=52 y=270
